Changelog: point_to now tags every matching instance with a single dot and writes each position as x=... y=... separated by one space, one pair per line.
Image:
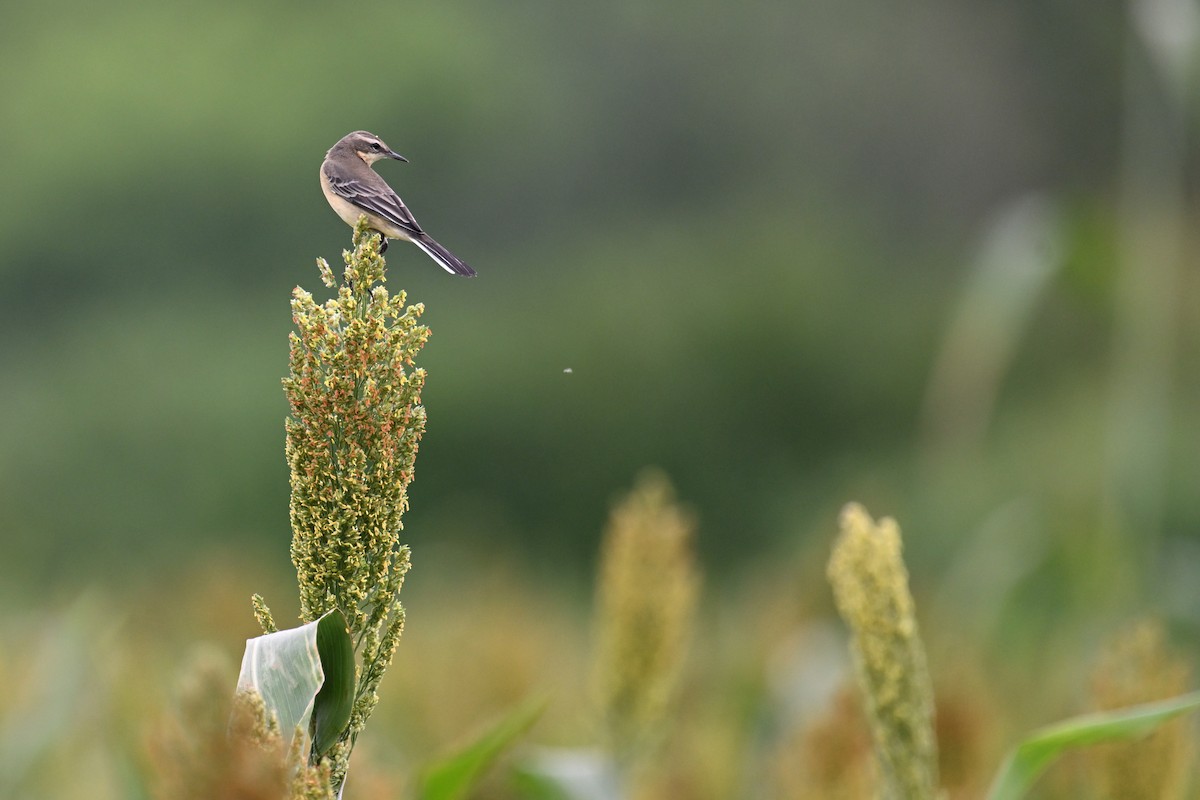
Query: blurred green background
x=747 y=231
x=937 y=257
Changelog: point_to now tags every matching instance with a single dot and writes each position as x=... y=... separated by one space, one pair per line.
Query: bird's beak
x=397 y=156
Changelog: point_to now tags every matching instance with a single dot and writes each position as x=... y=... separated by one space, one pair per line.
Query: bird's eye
x=375 y=146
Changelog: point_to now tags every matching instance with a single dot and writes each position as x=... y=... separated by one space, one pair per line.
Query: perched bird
x=352 y=189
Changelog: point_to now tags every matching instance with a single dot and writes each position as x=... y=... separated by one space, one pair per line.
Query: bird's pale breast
x=344 y=208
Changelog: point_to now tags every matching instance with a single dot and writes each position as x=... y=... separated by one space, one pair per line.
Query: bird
x=353 y=188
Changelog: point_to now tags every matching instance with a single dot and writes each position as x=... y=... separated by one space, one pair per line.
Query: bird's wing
x=375 y=197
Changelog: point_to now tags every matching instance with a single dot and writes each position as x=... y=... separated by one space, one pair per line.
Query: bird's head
x=369 y=147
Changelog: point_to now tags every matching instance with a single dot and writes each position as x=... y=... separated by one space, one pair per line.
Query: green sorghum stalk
x=870 y=586
x=353 y=430
x=646 y=599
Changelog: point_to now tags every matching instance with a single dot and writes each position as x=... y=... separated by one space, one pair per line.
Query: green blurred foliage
x=725 y=239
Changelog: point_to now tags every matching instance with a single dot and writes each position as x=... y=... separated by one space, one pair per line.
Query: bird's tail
x=445 y=259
